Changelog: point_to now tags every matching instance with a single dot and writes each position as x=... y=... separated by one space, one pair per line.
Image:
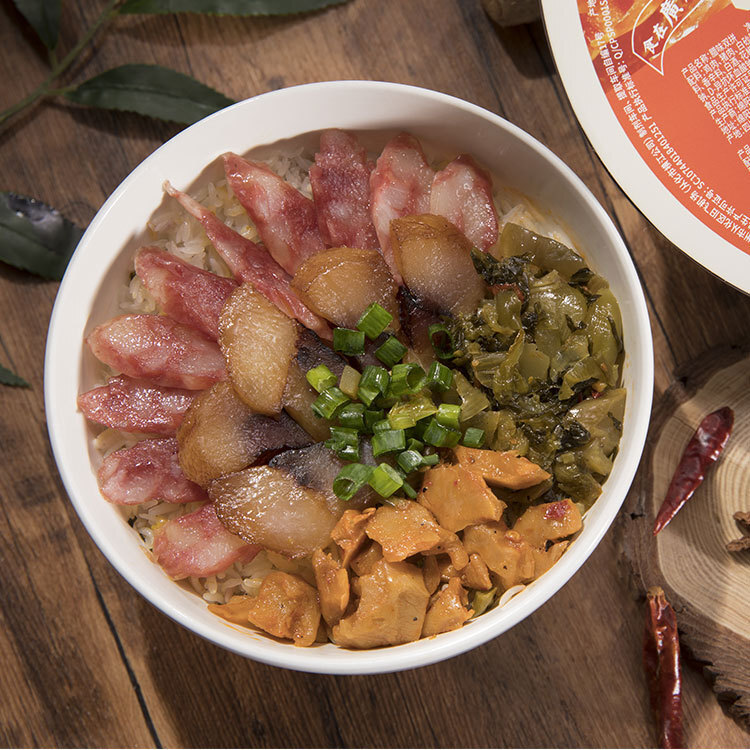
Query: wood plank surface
x=86 y=661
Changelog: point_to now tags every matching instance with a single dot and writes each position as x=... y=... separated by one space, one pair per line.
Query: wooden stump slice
x=708 y=586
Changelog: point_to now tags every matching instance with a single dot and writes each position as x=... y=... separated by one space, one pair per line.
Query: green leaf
x=44 y=17
x=150 y=90
x=227 y=7
x=7 y=377
x=35 y=237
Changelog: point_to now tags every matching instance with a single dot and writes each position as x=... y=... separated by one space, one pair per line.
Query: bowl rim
x=425 y=651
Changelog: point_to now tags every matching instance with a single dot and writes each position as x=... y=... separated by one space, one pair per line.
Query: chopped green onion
x=372 y=417
x=408 y=414
x=373 y=383
x=344 y=441
x=408 y=490
x=326 y=404
x=448 y=414
x=407 y=378
x=430 y=460
x=350 y=480
x=385 y=480
x=391 y=351
x=440 y=376
x=412 y=444
x=473 y=438
x=441 y=340
x=347 y=341
x=352 y=415
x=388 y=441
x=320 y=378
x=374 y=321
x=349 y=382
x=440 y=436
x=409 y=460
x=381 y=426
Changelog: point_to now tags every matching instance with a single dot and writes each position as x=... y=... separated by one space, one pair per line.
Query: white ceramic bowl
x=87 y=297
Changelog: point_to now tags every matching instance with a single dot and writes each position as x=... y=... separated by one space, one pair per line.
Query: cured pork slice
x=251 y=263
x=149 y=470
x=131 y=406
x=158 y=349
x=399 y=186
x=462 y=193
x=197 y=544
x=284 y=218
x=340 y=180
x=187 y=294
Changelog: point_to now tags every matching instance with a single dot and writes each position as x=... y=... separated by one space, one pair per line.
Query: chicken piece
x=448 y=610
x=548 y=522
x=431 y=573
x=458 y=497
x=340 y=180
x=452 y=546
x=462 y=193
x=149 y=470
x=399 y=186
x=251 y=264
x=504 y=552
x=267 y=506
x=332 y=581
x=186 y=293
x=158 y=349
x=434 y=261
x=405 y=528
x=285 y=219
x=349 y=533
x=501 y=468
x=221 y=435
x=474 y=575
x=199 y=545
x=131 y=406
x=544 y=559
x=365 y=561
x=286 y=607
x=391 y=607
x=235 y=610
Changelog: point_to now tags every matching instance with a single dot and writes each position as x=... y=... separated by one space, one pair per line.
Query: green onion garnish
x=412 y=444
x=409 y=460
x=473 y=438
x=391 y=351
x=350 y=480
x=430 y=460
x=408 y=490
x=347 y=341
x=326 y=404
x=320 y=378
x=344 y=441
x=349 y=381
x=408 y=414
x=388 y=441
x=373 y=383
x=374 y=321
x=440 y=436
x=352 y=415
x=385 y=480
x=441 y=340
x=400 y=420
x=448 y=414
x=372 y=417
x=440 y=376
x=406 y=378
x=381 y=426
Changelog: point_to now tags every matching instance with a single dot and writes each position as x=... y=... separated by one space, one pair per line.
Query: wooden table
x=85 y=660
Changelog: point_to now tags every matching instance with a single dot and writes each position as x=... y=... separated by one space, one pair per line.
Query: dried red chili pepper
x=661 y=660
x=704 y=448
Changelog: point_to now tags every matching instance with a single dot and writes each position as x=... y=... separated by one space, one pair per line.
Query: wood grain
x=707 y=585
x=87 y=661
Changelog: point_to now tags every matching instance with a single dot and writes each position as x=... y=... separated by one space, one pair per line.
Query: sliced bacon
x=160 y=350
x=462 y=193
x=284 y=218
x=197 y=544
x=399 y=186
x=251 y=263
x=149 y=470
x=187 y=294
x=340 y=180
x=131 y=406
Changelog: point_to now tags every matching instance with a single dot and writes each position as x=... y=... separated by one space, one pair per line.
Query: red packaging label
x=676 y=74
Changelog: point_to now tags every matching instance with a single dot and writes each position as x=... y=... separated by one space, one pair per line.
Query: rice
x=173 y=230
